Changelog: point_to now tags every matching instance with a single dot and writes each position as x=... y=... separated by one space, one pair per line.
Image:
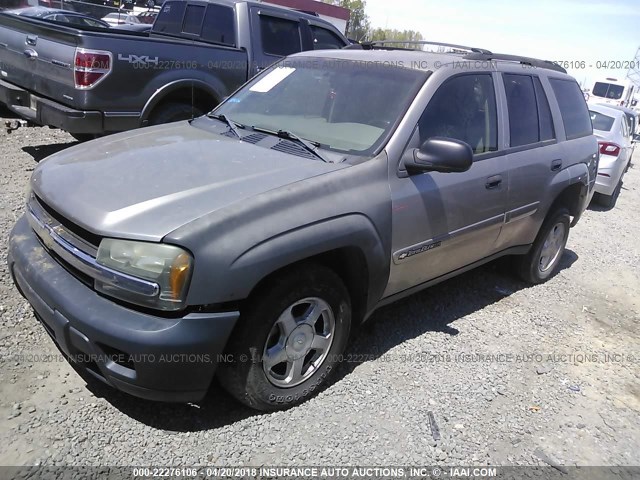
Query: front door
x=445 y=221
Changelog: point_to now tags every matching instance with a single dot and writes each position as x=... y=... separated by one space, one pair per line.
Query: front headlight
x=167 y=266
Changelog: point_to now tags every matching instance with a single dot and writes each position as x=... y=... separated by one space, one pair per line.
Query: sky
x=568 y=30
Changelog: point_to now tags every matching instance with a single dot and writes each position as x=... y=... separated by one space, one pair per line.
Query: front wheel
x=289 y=339
x=542 y=261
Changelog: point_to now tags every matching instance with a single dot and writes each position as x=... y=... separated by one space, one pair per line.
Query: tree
x=393 y=34
x=360 y=28
x=359 y=25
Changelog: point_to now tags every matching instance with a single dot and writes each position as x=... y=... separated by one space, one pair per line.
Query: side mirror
x=440 y=154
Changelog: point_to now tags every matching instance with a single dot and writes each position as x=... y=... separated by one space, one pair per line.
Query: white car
x=116 y=18
x=611 y=128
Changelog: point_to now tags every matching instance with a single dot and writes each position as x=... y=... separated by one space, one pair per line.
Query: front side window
x=463 y=108
x=279 y=36
x=345 y=106
x=573 y=108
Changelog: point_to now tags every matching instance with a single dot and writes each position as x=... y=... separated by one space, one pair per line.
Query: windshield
x=601 y=122
x=345 y=106
x=608 y=90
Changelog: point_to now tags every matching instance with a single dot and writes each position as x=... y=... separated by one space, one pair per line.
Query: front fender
x=354 y=230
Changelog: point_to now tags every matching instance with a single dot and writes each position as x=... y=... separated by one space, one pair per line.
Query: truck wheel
x=543 y=259
x=609 y=201
x=83 y=137
x=174 y=112
x=288 y=340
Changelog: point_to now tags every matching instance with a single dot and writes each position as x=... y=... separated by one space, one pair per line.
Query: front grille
x=84 y=236
x=46 y=215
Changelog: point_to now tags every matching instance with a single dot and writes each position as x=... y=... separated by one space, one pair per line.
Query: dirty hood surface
x=146 y=183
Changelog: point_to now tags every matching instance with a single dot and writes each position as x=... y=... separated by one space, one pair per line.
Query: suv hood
x=146 y=183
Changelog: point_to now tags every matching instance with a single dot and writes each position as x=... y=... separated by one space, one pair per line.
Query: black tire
x=609 y=201
x=174 y=112
x=245 y=377
x=83 y=137
x=532 y=267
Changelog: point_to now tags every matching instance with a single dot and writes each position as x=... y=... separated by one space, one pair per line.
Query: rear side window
x=523 y=109
x=573 y=108
x=193 y=19
x=601 y=122
x=324 y=39
x=279 y=36
x=463 y=108
x=169 y=19
x=547 y=132
x=218 y=25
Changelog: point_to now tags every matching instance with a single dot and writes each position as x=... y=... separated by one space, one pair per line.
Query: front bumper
x=43 y=111
x=166 y=359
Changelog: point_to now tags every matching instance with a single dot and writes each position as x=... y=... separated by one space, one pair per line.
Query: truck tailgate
x=37 y=57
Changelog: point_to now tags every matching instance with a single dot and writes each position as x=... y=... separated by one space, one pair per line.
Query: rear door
x=534 y=155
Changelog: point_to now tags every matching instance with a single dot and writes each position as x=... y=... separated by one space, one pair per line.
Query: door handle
x=493 y=182
x=31 y=54
x=556 y=165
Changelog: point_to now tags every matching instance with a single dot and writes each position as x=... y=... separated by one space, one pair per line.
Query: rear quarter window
x=169 y=19
x=573 y=108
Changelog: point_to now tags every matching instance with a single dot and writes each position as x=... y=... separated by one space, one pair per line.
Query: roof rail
x=534 y=62
x=383 y=45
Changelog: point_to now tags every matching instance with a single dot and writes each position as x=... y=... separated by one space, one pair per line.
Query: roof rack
x=387 y=45
x=534 y=62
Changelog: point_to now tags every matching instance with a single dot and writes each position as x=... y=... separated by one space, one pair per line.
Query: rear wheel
x=609 y=201
x=288 y=340
x=84 y=137
x=174 y=112
x=542 y=261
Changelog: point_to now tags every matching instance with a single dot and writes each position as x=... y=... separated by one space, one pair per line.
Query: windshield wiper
x=233 y=126
x=311 y=147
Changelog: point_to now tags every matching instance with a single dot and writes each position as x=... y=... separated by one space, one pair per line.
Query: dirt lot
x=513 y=375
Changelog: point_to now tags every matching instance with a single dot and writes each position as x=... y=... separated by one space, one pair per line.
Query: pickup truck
x=250 y=242
x=98 y=81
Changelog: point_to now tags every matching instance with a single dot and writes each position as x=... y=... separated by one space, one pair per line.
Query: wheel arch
x=194 y=91
x=349 y=245
x=349 y=263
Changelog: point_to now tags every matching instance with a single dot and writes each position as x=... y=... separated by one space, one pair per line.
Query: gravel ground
x=513 y=375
